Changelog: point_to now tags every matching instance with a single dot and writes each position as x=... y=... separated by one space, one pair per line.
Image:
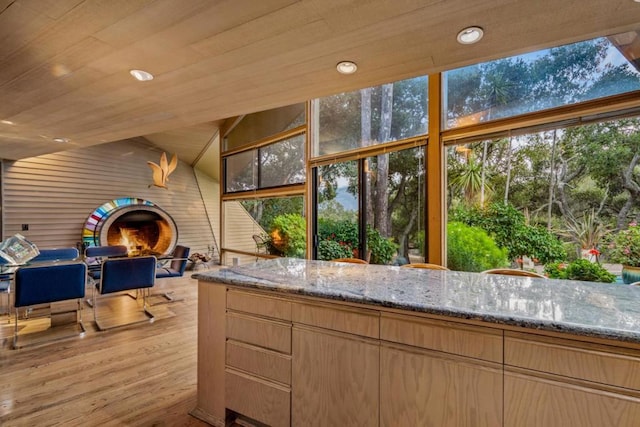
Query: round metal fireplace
x=138 y=224
x=145 y=230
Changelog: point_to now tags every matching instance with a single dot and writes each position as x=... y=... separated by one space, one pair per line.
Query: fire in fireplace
x=138 y=224
x=144 y=232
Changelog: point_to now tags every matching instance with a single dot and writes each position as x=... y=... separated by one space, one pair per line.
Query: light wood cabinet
x=533 y=401
x=335 y=379
x=560 y=382
x=354 y=321
x=449 y=337
x=269 y=334
x=427 y=388
x=259 y=361
x=258 y=399
x=259 y=305
x=586 y=361
x=258 y=357
x=290 y=360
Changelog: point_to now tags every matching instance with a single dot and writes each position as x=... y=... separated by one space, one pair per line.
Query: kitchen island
x=302 y=343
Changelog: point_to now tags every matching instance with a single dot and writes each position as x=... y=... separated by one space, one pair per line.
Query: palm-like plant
x=467 y=179
x=587 y=231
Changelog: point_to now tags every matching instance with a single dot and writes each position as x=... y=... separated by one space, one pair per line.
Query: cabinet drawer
x=257 y=399
x=263 y=333
x=256 y=360
x=591 y=362
x=455 y=338
x=532 y=402
x=350 y=320
x=258 y=304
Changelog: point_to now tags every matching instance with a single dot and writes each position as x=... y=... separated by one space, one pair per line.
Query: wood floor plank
x=139 y=375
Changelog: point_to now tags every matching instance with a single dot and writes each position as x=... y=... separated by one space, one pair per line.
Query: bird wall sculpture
x=161 y=172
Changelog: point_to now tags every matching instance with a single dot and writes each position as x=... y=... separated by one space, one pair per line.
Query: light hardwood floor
x=142 y=375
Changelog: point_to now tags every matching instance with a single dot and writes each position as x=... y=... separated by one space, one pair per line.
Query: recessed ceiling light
x=141 y=75
x=470 y=35
x=60 y=139
x=346 y=67
x=7 y=122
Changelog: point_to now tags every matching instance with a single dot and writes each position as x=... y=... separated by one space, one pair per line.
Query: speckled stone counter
x=583 y=308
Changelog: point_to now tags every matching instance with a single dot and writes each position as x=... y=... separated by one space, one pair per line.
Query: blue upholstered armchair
x=95 y=255
x=48 y=284
x=178 y=263
x=56 y=255
x=175 y=269
x=124 y=274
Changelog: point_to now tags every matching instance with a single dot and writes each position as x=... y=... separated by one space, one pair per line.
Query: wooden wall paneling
x=55 y=193
x=264 y=54
x=20 y=25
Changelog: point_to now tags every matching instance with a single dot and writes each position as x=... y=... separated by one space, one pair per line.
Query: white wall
x=55 y=193
x=210 y=191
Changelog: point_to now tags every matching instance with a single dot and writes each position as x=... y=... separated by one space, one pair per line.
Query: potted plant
x=624 y=248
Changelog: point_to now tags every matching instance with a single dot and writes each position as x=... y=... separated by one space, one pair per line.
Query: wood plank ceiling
x=64 y=64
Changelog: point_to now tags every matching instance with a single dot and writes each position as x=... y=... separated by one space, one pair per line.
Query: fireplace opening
x=143 y=232
x=136 y=223
x=140 y=225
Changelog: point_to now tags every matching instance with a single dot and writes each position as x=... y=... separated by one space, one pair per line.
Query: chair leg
x=145 y=311
x=78 y=322
x=8 y=307
x=93 y=306
x=15 y=331
x=80 y=308
x=168 y=296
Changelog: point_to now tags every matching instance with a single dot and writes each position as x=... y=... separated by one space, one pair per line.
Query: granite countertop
x=584 y=308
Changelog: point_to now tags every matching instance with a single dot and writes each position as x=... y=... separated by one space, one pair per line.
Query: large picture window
x=552 y=201
x=540 y=80
x=282 y=163
x=263 y=124
x=241 y=171
x=371 y=116
x=264 y=172
x=277 y=164
x=372 y=208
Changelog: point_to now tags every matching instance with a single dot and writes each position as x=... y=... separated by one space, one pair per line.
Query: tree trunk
x=403 y=238
x=634 y=193
x=563 y=179
x=552 y=174
x=365 y=141
x=506 y=185
x=485 y=146
x=382 y=223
